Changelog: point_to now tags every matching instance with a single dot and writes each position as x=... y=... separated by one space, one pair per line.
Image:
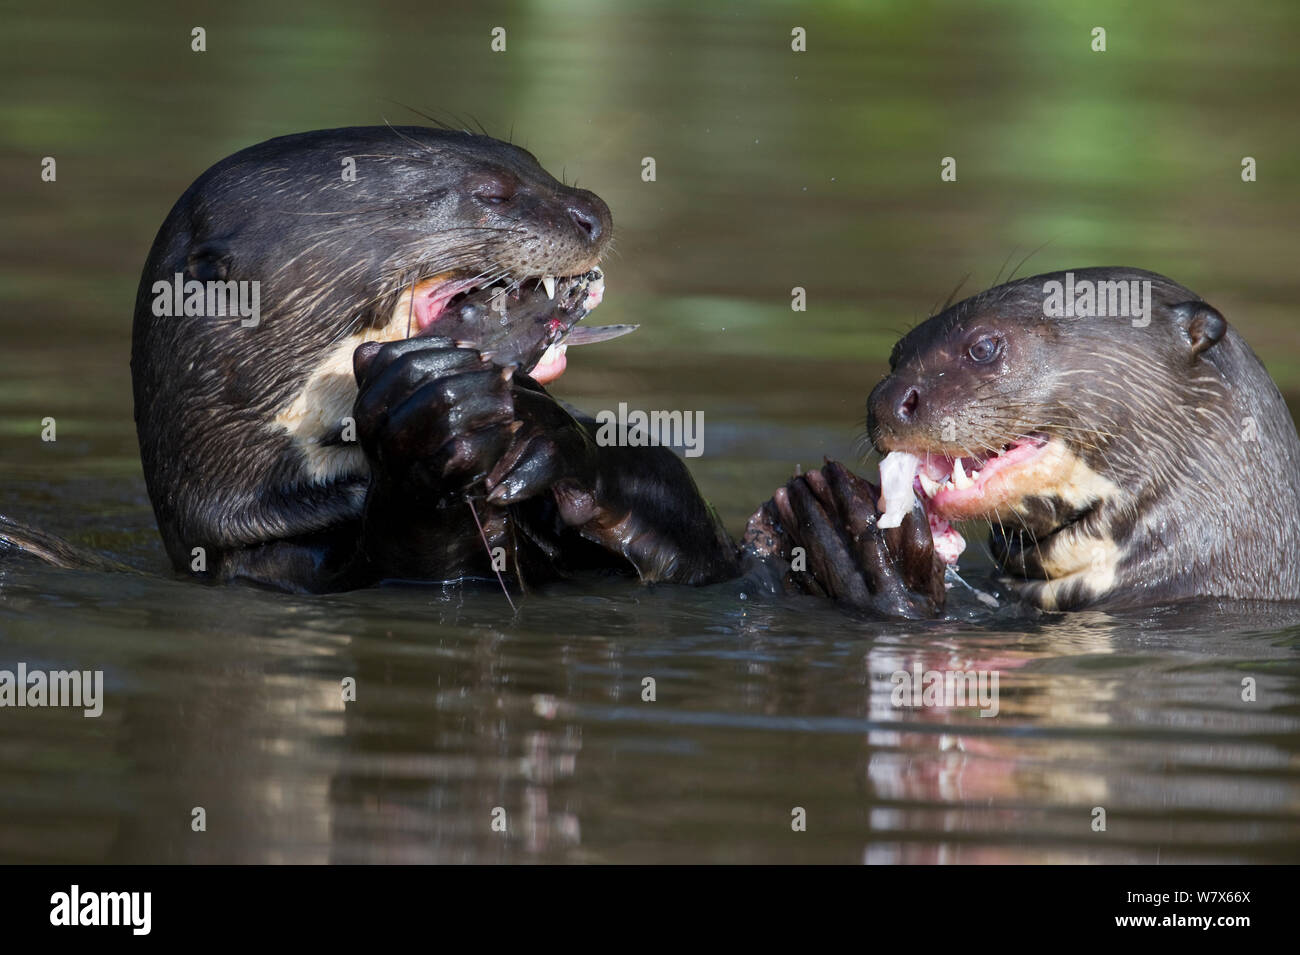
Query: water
x=774 y=171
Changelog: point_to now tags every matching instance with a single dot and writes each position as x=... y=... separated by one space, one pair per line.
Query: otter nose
x=907 y=404
x=586 y=221
x=590 y=214
x=894 y=405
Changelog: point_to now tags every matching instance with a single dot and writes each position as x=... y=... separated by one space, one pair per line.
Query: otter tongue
x=897 y=472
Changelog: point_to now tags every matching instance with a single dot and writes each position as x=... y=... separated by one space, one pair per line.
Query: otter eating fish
x=340 y=345
x=1122 y=442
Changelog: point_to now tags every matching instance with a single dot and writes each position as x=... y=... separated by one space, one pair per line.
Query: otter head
x=386 y=232
x=509 y=258
x=281 y=260
x=1089 y=417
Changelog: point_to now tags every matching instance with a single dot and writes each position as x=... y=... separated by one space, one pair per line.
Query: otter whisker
x=487 y=547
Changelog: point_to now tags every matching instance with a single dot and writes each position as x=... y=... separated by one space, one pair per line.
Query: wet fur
x=239 y=426
x=1179 y=501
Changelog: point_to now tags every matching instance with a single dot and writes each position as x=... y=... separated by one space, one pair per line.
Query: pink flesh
x=430 y=302
x=551 y=366
x=948 y=543
x=1018 y=453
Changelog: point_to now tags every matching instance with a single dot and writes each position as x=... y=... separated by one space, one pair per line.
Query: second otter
x=1119 y=459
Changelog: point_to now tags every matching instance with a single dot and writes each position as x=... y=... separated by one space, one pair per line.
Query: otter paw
x=432 y=418
x=549 y=448
x=831 y=517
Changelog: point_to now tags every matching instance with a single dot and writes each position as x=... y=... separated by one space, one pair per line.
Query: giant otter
x=1123 y=442
x=373 y=408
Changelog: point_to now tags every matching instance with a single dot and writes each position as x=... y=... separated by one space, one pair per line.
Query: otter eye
x=494 y=192
x=984 y=349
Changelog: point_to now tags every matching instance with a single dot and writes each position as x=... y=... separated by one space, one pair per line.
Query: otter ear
x=208 y=262
x=1202 y=325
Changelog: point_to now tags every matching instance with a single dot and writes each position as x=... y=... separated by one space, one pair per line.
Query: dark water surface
x=775 y=170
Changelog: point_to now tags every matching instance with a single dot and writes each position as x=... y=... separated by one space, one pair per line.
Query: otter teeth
x=897 y=470
x=960 y=479
x=548 y=283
